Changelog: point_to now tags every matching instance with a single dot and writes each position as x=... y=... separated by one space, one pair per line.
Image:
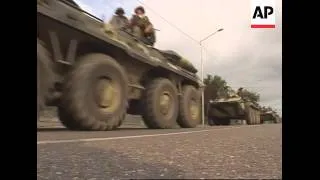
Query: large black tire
x=151 y=107
x=121 y=121
x=249 y=116
x=79 y=109
x=276 y=120
x=217 y=121
x=45 y=74
x=258 y=117
x=261 y=119
x=225 y=122
x=254 y=116
x=190 y=97
x=211 y=122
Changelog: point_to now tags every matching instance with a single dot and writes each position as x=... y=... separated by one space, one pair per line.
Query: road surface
x=211 y=153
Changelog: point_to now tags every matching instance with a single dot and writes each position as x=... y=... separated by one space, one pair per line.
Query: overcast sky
x=251 y=58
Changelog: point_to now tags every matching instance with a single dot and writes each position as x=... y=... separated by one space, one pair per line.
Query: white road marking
x=130 y=137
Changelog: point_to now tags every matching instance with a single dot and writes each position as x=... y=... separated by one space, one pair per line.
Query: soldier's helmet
x=119 y=11
x=139 y=8
x=240 y=89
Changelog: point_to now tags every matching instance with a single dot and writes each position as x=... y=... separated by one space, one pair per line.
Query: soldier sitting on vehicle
x=231 y=92
x=142 y=27
x=222 y=93
x=119 y=21
x=240 y=92
x=226 y=92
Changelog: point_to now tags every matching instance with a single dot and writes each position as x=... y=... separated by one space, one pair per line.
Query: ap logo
x=263 y=14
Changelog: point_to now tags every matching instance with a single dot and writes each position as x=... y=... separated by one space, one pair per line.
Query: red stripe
x=263 y=25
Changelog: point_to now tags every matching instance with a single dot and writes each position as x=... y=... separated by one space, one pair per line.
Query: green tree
x=250 y=95
x=214 y=84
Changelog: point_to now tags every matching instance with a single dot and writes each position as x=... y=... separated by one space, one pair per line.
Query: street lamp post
x=202 y=73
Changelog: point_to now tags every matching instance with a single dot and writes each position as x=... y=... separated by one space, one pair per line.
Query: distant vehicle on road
x=270 y=116
x=231 y=106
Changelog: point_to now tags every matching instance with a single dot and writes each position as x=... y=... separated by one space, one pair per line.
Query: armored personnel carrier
x=231 y=106
x=95 y=74
x=270 y=116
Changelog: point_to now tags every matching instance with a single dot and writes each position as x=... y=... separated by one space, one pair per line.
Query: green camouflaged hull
x=270 y=116
x=184 y=63
x=232 y=108
x=126 y=39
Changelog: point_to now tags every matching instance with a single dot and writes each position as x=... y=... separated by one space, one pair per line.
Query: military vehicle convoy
x=95 y=74
x=231 y=106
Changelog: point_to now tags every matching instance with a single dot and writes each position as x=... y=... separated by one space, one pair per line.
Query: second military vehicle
x=231 y=106
x=95 y=74
x=270 y=116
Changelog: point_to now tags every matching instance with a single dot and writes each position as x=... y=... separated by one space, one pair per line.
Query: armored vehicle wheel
x=218 y=121
x=189 y=109
x=258 y=117
x=122 y=119
x=276 y=120
x=210 y=122
x=249 y=116
x=44 y=74
x=160 y=104
x=254 y=114
x=66 y=120
x=225 y=122
x=94 y=94
x=261 y=120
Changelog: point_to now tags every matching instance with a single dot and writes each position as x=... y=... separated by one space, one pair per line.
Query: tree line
x=216 y=85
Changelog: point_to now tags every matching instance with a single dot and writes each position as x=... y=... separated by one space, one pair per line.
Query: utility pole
x=202 y=73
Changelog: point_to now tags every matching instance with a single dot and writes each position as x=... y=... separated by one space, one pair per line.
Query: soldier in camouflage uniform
x=142 y=27
x=223 y=92
x=118 y=20
x=240 y=92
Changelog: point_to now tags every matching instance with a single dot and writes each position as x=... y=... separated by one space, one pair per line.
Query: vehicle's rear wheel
x=217 y=121
x=121 y=121
x=45 y=74
x=225 y=122
x=94 y=94
x=261 y=119
x=160 y=104
x=249 y=116
x=254 y=116
x=210 y=121
x=190 y=102
x=258 y=117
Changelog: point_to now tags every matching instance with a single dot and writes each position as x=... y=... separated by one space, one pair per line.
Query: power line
x=171 y=24
x=177 y=28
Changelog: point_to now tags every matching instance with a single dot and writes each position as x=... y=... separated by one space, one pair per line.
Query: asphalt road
x=211 y=153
